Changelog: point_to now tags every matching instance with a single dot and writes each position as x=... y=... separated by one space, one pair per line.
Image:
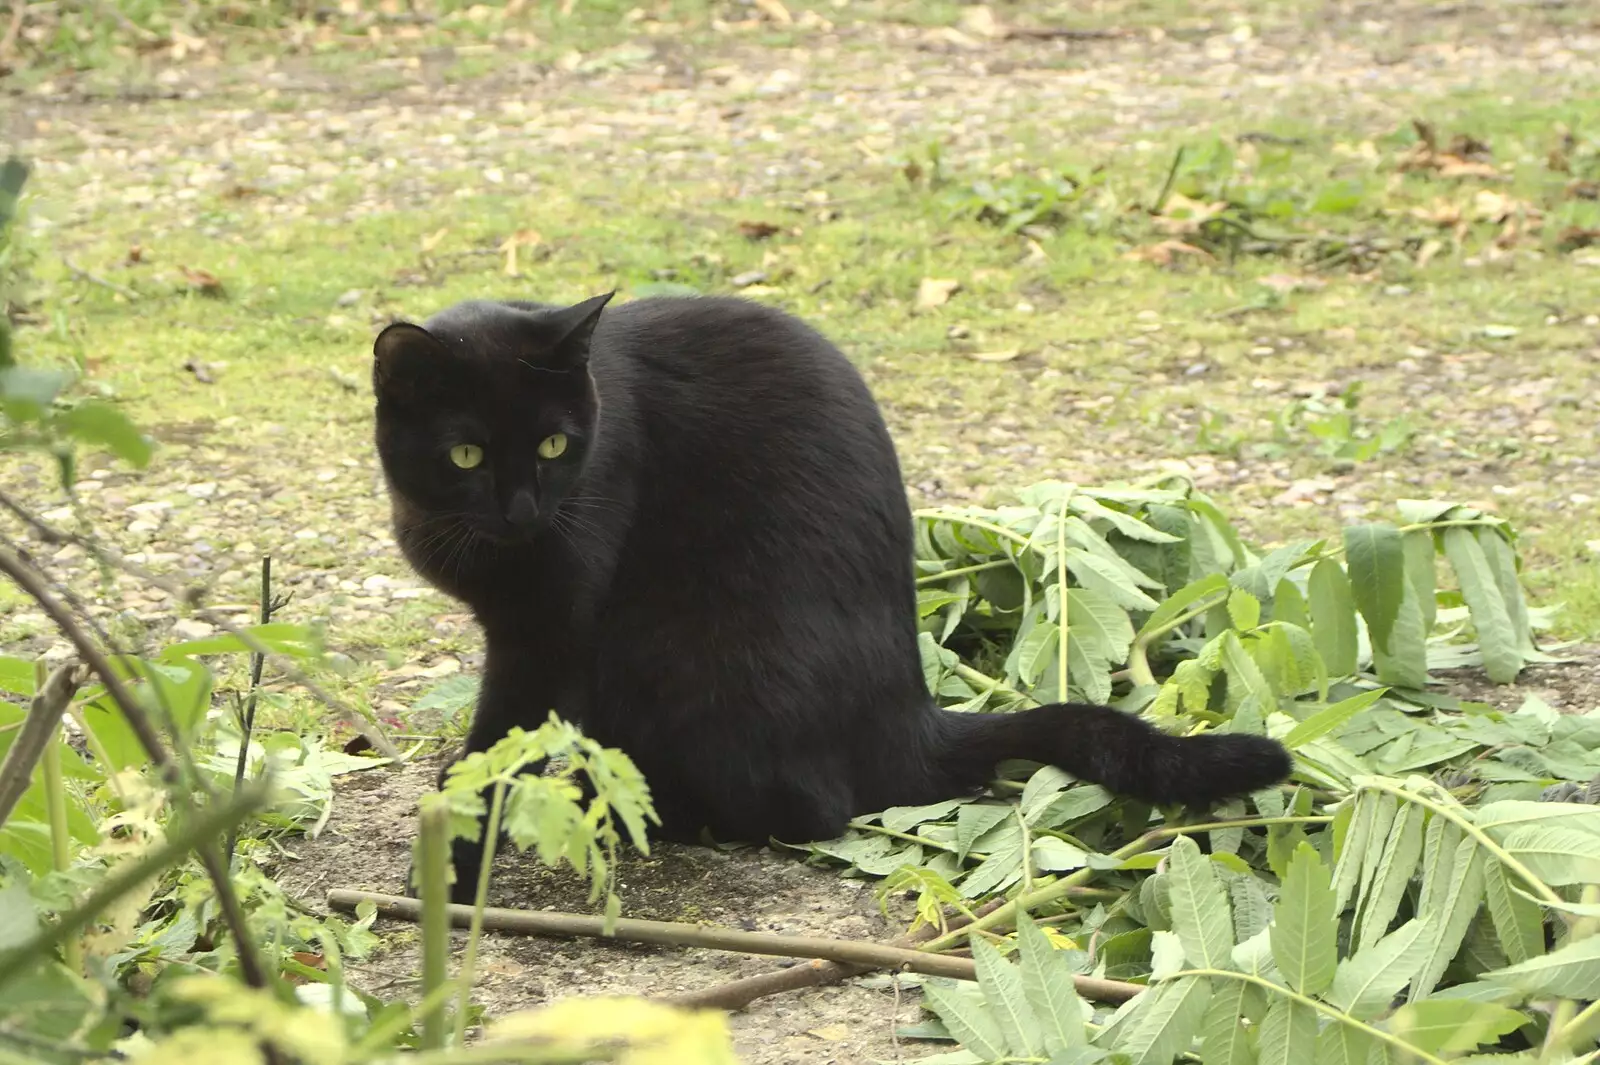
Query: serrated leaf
x=1071 y=805
x=1499 y=818
x=1225 y=1039
x=1245 y=678
x=1167 y=1022
x=1244 y=609
x=1366 y=983
x=972 y=821
x=1384 y=811
x=965 y=1017
x=1252 y=910
x=1439 y=846
x=1556 y=854
x=1451 y=1026
x=1518 y=920
x=1503 y=564
x=1332 y=718
x=1047 y=984
x=1352 y=847
x=1001 y=983
x=1376 y=564
x=1420 y=571
x=1288 y=1033
x=1200 y=914
x=1404 y=661
x=1457 y=907
x=1177 y=604
x=1572 y=971
x=1497 y=639
x=1126 y=524
x=1401 y=852
x=1099 y=575
x=1094 y=616
x=1304 y=928
x=1342 y=1044
x=1037 y=651
x=1333 y=617
x=905 y=818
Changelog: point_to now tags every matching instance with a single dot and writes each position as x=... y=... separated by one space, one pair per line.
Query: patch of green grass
x=1059 y=355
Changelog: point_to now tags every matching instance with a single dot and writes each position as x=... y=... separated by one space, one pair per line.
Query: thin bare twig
x=18 y=9
x=191 y=596
x=247 y=724
x=737 y=994
x=38 y=732
x=232 y=913
x=95 y=279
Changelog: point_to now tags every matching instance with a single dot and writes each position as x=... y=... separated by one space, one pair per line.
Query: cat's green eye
x=467 y=456
x=552 y=446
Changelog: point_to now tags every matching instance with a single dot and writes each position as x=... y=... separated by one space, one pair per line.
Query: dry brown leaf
x=1180 y=215
x=979 y=20
x=1453 y=166
x=936 y=291
x=775 y=10
x=433 y=240
x=1439 y=213
x=1429 y=249
x=202 y=281
x=1167 y=252
x=1574 y=237
x=832 y=1032
x=1286 y=283
x=994 y=356
x=758 y=230
x=135 y=255
x=522 y=238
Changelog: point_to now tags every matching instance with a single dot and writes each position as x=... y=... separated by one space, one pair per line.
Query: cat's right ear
x=404 y=357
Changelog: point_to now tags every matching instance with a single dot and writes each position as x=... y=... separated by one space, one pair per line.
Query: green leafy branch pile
x=1364 y=912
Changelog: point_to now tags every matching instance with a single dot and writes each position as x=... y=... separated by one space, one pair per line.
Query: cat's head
x=486 y=414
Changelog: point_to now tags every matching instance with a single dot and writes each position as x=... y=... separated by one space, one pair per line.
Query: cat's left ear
x=574 y=326
x=403 y=358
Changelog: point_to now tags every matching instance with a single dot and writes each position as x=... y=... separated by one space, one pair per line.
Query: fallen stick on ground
x=627 y=930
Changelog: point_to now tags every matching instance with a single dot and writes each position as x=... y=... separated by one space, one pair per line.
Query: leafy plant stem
x=1026 y=903
x=36 y=734
x=1331 y=1012
x=863 y=826
x=960 y=571
x=55 y=795
x=1139 y=671
x=976 y=523
x=132 y=712
x=1566 y=1022
x=469 y=963
x=988 y=683
x=248 y=723
x=1061 y=597
x=433 y=860
x=205 y=825
x=1505 y=858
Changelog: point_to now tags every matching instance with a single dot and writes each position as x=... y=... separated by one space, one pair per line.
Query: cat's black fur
x=716 y=576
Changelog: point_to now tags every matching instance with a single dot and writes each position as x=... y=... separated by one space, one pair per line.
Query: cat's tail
x=1119 y=751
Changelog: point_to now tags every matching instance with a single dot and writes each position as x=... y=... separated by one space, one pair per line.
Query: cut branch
x=666 y=933
x=37 y=733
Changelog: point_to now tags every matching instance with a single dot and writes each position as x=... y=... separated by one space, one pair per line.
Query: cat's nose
x=523 y=510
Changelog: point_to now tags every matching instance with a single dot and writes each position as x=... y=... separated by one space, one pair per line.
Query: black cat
x=681 y=525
